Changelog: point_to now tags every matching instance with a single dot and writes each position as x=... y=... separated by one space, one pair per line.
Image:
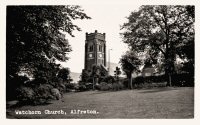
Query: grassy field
x=147 y=103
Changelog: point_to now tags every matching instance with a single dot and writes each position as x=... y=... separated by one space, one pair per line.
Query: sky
x=106 y=18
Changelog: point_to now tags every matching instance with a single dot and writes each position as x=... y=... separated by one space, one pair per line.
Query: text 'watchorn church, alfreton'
x=95 y=51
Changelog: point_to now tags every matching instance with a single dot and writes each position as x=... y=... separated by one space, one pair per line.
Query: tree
x=34 y=34
x=35 y=38
x=85 y=76
x=117 y=73
x=186 y=52
x=159 y=30
x=130 y=63
x=96 y=74
x=64 y=74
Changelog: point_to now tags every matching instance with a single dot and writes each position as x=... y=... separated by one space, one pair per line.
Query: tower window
x=100 y=48
x=91 y=48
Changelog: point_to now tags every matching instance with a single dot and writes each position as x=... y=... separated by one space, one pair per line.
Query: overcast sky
x=106 y=19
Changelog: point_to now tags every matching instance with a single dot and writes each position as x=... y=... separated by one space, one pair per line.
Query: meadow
x=155 y=103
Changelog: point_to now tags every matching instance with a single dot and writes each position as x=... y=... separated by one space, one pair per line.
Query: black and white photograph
x=100 y=61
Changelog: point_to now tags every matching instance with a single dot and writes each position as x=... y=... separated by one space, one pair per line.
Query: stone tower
x=95 y=50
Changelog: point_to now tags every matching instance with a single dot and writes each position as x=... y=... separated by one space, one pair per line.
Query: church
x=95 y=51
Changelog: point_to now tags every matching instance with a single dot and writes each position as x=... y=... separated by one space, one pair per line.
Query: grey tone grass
x=168 y=102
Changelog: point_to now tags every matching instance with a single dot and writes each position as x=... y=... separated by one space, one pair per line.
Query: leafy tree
x=64 y=74
x=186 y=52
x=117 y=73
x=96 y=74
x=85 y=76
x=159 y=30
x=65 y=79
x=34 y=34
x=130 y=63
x=36 y=39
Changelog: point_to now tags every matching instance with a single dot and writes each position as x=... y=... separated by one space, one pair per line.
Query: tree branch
x=157 y=46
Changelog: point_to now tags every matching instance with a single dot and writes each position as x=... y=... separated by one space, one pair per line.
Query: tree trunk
x=169 y=78
x=93 y=83
x=130 y=81
x=167 y=68
x=169 y=60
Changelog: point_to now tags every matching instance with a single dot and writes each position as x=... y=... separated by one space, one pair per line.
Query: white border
x=3 y=5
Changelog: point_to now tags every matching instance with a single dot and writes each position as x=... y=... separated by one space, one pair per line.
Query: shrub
x=117 y=86
x=12 y=83
x=43 y=93
x=70 y=86
x=76 y=87
x=125 y=83
x=184 y=79
x=151 y=85
x=82 y=88
x=37 y=95
x=162 y=84
x=56 y=93
x=25 y=94
x=89 y=86
x=105 y=86
x=108 y=79
x=98 y=87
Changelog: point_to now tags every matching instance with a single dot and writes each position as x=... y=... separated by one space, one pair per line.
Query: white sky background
x=106 y=18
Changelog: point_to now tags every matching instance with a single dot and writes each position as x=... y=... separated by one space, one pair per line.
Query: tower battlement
x=95 y=35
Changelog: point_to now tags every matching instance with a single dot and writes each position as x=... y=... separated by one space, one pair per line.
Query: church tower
x=95 y=50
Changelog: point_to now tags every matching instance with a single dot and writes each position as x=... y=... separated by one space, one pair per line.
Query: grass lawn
x=146 y=103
